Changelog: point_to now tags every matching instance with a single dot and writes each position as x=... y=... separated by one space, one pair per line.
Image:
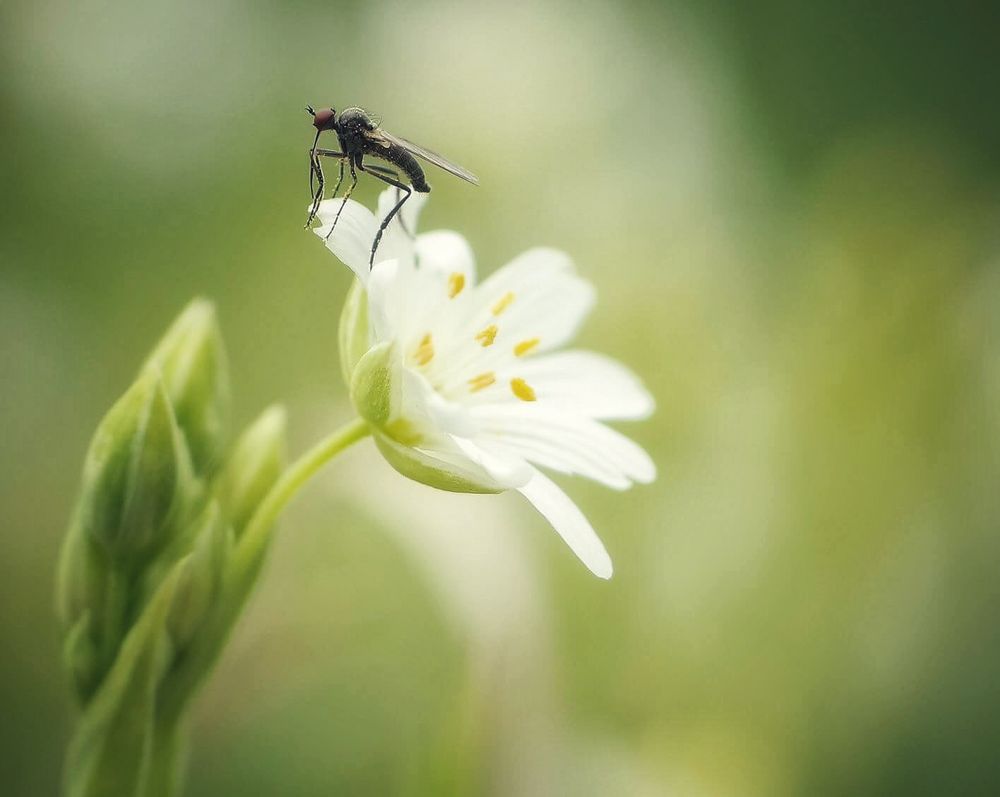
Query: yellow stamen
x=482 y=381
x=456 y=282
x=487 y=336
x=504 y=303
x=425 y=351
x=522 y=389
x=525 y=346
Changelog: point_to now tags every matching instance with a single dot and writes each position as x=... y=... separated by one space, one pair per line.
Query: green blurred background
x=791 y=214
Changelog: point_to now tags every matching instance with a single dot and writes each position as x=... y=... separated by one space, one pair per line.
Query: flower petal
x=534 y=263
x=541 y=296
x=441 y=283
x=352 y=238
x=536 y=298
x=384 y=299
x=566 y=442
x=504 y=466
x=444 y=253
x=427 y=409
x=554 y=455
x=550 y=311
x=569 y=522
x=588 y=384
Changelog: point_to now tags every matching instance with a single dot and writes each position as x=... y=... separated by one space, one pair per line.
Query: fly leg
x=385 y=222
x=340 y=179
x=316 y=170
x=384 y=172
x=347 y=195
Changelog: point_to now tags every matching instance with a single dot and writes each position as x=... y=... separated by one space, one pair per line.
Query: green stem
x=254 y=539
x=241 y=575
x=167 y=761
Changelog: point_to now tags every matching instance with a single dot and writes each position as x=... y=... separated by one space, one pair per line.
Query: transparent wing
x=429 y=156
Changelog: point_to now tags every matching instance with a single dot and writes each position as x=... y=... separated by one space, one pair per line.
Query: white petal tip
x=642 y=468
x=648 y=475
x=569 y=523
x=645 y=406
x=603 y=570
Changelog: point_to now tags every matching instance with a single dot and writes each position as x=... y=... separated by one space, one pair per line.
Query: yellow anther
x=504 y=303
x=482 y=381
x=522 y=389
x=487 y=336
x=456 y=282
x=425 y=351
x=525 y=346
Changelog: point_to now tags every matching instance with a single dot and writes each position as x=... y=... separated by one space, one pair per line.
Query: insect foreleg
x=315 y=169
x=340 y=179
x=347 y=195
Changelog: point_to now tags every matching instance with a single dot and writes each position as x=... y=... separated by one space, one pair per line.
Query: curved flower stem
x=241 y=576
x=255 y=536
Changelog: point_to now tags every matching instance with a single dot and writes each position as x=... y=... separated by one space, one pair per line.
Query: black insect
x=359 y=136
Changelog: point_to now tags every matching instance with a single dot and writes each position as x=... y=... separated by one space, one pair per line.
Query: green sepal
x=421 y=467
x=353 y=335
x=373 y=388
x=82 y=577
x=375 y=391
x=192 y=359
x=81 y=657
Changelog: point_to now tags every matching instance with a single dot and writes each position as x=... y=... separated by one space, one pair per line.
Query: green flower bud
x=82 y=597
x=353 y=332
x=255 y=464
x=81 y=656
x=83 y=572
x=137 y=474
x=192 y=359
x=201 y=575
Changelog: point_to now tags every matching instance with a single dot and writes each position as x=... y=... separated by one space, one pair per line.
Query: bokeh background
x=791 y=214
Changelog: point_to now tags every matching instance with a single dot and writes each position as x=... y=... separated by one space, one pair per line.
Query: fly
x=358 y=136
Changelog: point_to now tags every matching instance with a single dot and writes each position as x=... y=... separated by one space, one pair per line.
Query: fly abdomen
x=405 y=161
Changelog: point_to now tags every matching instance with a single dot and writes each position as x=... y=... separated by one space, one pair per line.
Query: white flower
x=462 y=383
